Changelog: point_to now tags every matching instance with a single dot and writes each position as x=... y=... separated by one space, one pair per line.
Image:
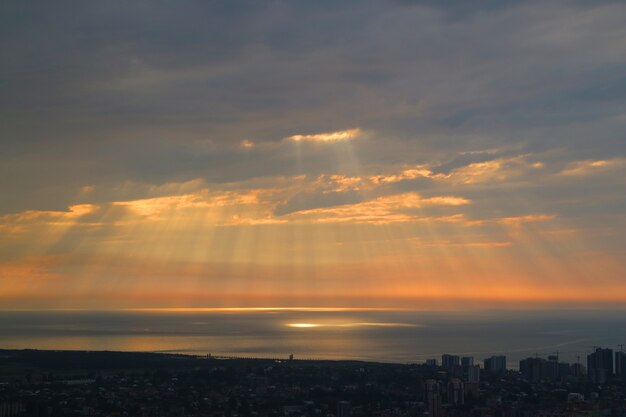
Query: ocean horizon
x=385 y=335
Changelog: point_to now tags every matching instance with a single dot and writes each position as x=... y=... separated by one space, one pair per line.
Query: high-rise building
x=456 y=394
x=450 y=361
x=466 y=362
x=433 y=398
x=533 y=369
x=473 y=374
x=600 y=365
x=620 y=365
x=495 y=364
x=432 y=362
x=578 y=369
x=565 y=370
x=552 y=367
x=537 y=369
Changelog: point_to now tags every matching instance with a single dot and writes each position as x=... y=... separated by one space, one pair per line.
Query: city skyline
x=364 y=154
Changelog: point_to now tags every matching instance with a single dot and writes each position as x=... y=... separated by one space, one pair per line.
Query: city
x=313 y=208
x=99 y=384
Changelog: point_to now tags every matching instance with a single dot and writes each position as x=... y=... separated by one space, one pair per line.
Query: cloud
x=499 y=169
x=487 y=244
x=247 y=144
x=382 y=210
x=583 y=168
x=451 y=244
x=248 y=132
x=341 y=183
x=420 y=171
x=19 y=222
x=338 y=136
x=446 y=201
x=201 y=200
x=530 y=218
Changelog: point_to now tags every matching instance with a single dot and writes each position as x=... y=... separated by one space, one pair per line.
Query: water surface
x=381 y=335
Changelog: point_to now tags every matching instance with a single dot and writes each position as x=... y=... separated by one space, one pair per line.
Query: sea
x=383 y=335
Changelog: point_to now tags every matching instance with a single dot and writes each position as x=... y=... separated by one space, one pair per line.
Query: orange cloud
x=530 y=218
x=407 y=174
x=494 y=170
x=21 y=222
x=247 y=144
x=446 y=201
x=590 y=167
x=73 y=212
x=202 y=200
x=452 y=244
x=382 y=210
x=337 y=136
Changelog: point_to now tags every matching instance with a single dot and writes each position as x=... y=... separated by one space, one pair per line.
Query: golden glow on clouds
x=325 y=240
x=247 y=144
x=488 y=244
x=407 y=174
x=531 y=218
x=56 y=223
x=499 y=169
x=50 y=216
x=581 y=168
x=221 y=207
x=382 y=210
x=337 y=136
x=514 y=220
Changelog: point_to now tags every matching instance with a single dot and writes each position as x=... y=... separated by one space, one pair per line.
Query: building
x=537 y=369
x=473 y=374
x=432 y=362
x=432 y=395
x=495 y=364
x=552 y=367
x=450 y=361
x=456 y=393
x=565 y=370
x=533 y=369
x=600 y=365
x=578 y=369
x=620 y=365
x=467 y=361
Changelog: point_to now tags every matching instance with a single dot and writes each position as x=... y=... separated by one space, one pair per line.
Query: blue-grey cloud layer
x=151 y=92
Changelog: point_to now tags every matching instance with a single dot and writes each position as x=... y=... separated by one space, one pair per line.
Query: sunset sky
x=388 y=154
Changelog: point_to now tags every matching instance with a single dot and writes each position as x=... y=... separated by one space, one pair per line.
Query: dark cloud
x=157 y=91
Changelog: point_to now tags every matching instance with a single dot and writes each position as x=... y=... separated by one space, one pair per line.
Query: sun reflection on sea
x=349 y=324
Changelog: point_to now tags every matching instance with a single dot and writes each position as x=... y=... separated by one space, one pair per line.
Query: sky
x=385 y=154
